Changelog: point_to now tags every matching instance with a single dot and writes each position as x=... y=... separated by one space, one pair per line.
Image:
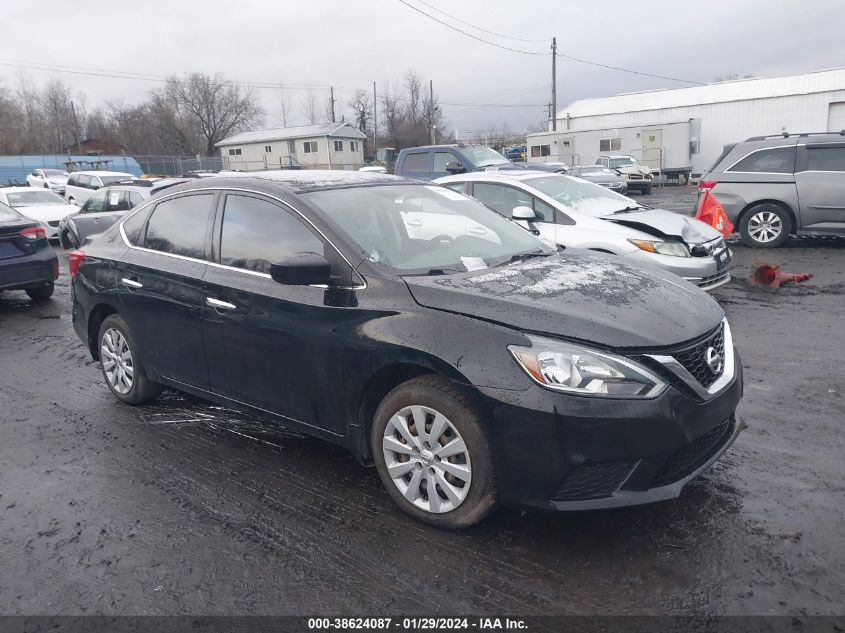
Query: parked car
x=774 y=186
x=53 y=179
x=436 y=161
x=107 y=206
x=45 y=207
x=474 y=368
x=637 y=177
x=82 y=184
x=575 y=213
x=601 y=176
x=26 y=260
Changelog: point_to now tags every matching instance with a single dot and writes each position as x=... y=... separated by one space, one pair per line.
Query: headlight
x=568 y=367
x=675 y=249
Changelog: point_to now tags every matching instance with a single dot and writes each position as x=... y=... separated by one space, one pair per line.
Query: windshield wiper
x=629 y=209
x=519 y=257
x=431 y=272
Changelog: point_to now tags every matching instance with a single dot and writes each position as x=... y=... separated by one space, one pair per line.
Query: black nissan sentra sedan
x=471 y=363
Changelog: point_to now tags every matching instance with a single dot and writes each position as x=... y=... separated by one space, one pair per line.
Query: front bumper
x=562 y=452
x=706 y=272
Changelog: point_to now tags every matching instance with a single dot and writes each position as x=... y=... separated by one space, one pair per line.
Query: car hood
x=603 y=178
x=58 y=180
x=663 y=224
x=48 y=212
x=633 y=169
x=579 y=295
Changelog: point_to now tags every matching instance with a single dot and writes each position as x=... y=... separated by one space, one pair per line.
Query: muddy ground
x=183 y=507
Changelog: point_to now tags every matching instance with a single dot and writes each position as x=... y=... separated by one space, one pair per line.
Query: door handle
x=220 y=305
x=415 y=223
x=131 y=283
x=477 y=230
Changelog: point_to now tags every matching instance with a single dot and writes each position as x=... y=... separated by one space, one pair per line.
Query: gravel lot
x=183 y=507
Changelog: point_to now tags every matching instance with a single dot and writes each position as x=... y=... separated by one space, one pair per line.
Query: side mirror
x=95 y=186
x=455 y=168
x=302 y=269
x=523 y=213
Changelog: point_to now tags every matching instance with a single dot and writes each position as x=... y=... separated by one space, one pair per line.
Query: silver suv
x=774 y=186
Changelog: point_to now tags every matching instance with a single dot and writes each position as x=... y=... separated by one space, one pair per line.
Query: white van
x=82 y=184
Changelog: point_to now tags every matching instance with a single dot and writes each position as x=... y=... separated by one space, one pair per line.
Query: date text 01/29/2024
x=416 y=624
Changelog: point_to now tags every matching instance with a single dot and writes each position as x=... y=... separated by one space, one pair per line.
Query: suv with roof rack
x=772 y=187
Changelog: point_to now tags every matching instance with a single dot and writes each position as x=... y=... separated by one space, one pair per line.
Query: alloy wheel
x=117 y=361
x=427 y=459
x=765 y=226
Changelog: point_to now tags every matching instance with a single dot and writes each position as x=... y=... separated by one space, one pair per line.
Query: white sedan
x=43 y=206
x=575 y=213
x=52 y=179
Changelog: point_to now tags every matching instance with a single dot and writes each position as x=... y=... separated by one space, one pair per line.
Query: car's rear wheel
x=40 y=293
x=121 y=363
x=765 y=226
x=432 y=453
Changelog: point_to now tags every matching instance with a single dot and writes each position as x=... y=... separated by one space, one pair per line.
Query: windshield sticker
x=447 y=193
x=474 y=263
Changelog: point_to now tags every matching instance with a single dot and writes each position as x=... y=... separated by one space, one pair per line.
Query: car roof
x=297 y=181
x=24 y=189
x=101 y=173
x=495 y=176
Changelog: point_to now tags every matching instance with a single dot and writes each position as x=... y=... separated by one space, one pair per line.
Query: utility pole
x=375 y=122
x=331 y=101
x=554 y=84
x=431 y=111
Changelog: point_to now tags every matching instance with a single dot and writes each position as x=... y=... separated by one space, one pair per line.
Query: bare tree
x=210 y=105
x=362 y=114
x=284 y=106
x=309 y=107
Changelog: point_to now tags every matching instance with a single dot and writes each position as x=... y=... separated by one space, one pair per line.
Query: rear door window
x=778 y=160
x=178 y=225
x=416 y=162
x=257 y=233
x=820 y=158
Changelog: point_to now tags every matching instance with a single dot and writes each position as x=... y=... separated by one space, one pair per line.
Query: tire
x=41 y=293
x=647 y=190
x=127 y=380
x=470 y=492
x=68 y=240
x=765 y=226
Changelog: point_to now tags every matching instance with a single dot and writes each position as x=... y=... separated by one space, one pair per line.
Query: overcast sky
x=350 y=44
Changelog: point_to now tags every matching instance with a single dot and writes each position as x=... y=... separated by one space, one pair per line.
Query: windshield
x=33 y=198
x=7 y=213
x=424 y=228
x=624 y=161
x=581 y=196
x=483 y=156
x=54 y=172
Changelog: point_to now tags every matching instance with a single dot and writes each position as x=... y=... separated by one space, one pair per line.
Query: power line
x=475 y=37
x=627 y=70
x=563 y=55
x=133 y=76
x=478 y=28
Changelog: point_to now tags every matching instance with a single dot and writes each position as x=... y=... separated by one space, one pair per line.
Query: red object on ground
x=769 y=274
x=711 y=212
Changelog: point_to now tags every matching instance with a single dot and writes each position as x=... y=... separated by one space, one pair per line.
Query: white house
x=688 y=127
x=325 y=146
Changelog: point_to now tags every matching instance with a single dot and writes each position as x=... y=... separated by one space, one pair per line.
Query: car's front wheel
x=432 y=453
x=121 y=363
x=765 y=226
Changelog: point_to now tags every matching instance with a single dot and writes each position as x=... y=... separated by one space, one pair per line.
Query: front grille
x=594 y=481
x=694 y=359
x=688 y=459
x=53 y=223
x=635 y=177
x=713 y=280
x=708 y=249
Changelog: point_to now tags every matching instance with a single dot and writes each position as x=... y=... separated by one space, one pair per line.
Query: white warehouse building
x=326 y=146
x=684 y=130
